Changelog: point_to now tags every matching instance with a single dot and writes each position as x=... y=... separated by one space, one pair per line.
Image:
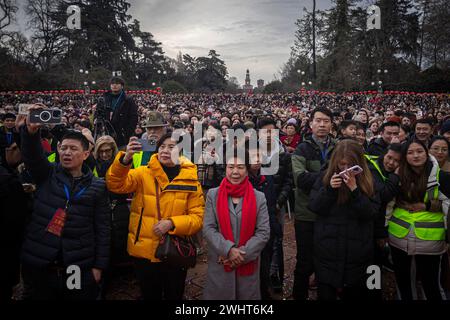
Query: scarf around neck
x=248 y=218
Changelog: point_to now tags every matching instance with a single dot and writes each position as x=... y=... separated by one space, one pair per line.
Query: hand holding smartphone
x=355 y=170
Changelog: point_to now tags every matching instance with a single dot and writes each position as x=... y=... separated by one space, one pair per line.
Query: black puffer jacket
x=377 y=147
x=283 y=181
x=13 y=214
x=343 y=235
x=86 y=235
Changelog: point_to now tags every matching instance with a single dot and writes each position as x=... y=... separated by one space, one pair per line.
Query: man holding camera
x=67 y=242
x=122 y=111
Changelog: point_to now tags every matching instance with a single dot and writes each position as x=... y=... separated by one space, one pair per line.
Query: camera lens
x=45 y=116
x=56 y=113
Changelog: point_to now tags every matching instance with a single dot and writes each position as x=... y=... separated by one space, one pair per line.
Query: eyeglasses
x=437 y=149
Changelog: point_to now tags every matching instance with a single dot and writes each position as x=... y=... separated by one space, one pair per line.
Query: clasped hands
x=235 y=258
x=162 y=227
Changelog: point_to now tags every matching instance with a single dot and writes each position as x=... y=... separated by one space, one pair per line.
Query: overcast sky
x=253 y=34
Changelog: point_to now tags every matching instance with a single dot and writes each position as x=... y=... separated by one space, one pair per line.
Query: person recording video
x=120 y=110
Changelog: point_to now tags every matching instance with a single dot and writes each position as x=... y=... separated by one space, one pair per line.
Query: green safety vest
x=94 y=172
x=52 y=157
x=137 y=159
x=372 y=160
x=426 y=225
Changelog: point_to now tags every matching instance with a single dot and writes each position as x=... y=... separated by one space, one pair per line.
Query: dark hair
x=77 y=135
x=347 y=123
x=412 y=185
x=323 y=110
x=9 y=115
x=407 y=129
x=438 y=138
x=166 y=136
x=235 y=154
x=265 y=122
x=396 y=147
x=349 y=149
x=117 y=80
x=238 y=126
x=424 y=121
x=389 y=124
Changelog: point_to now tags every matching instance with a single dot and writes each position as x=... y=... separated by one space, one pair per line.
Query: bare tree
x=8 y=9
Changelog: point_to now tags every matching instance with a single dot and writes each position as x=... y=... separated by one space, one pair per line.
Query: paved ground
x=124 y=287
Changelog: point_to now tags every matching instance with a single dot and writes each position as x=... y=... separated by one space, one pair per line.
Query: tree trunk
x=314 y=40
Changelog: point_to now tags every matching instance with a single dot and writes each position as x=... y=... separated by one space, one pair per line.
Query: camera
x=101 y=111
x=48 y=116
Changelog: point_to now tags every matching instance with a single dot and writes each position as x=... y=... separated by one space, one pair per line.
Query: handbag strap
x=157 y=199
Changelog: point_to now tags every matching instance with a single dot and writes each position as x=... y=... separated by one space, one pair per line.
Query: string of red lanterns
x=156 y=91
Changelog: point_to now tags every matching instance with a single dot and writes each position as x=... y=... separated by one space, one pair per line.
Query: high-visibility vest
x=372 y=160
x=94 y=172
x=137 y=159
x=52 y=157
x=426 y=225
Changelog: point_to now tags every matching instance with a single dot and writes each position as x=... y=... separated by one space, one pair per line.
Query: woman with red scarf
x=236 y=228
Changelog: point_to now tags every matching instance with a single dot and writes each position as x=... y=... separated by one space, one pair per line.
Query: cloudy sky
x=253 y=34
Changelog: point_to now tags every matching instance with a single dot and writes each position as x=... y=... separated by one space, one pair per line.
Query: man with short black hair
x=70 y=223
x=389 y=132
x=122 y=111
x=308 y=159
x=423 y=130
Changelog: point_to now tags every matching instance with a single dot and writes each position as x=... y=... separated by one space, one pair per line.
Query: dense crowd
x=106 y=186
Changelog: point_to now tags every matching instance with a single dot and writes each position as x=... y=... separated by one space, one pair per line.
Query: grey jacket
x=221 y=285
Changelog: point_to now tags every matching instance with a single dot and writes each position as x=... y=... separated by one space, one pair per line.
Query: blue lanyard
x=77 y=196
x=9 y=138
x=324 y=152
x=118 y=100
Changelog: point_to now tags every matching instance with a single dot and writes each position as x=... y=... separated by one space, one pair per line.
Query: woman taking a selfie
x=416 y=227
x=171 y=179
x=236 y=228
x=346 y=207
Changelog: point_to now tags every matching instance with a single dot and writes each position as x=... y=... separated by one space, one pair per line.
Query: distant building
x=260 y=83
x=247 y=87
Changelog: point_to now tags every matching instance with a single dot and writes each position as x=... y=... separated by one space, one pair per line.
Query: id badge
x=56 y=226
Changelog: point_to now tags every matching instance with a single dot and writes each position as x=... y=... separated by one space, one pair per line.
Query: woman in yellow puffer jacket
x=181 y=205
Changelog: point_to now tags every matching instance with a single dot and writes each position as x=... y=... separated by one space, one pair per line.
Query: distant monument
x=247 y=87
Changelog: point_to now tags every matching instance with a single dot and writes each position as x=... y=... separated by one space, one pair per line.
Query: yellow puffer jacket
x=180 y=200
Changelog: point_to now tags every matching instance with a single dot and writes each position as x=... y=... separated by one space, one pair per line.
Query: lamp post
x=380 y=73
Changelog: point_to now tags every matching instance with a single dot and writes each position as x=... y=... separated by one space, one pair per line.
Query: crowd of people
x=105 y=186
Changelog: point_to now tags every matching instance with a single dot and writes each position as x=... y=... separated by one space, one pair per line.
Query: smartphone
x=46 y=116
x=355 y=169
x=147 y=146
x=23 y=108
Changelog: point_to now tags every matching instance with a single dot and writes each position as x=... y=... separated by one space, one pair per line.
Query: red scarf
x=248 y=220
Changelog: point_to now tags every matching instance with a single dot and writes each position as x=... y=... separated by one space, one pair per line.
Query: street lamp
x=153 y=84
x=94 y=83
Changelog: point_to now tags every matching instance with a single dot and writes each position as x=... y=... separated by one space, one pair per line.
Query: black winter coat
x=85 y=239
x=377 y=147
x=124 y=118
x=283 y=180
x=384 y=189
x=13 y=214
x=120 y=218
x=343 y=236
